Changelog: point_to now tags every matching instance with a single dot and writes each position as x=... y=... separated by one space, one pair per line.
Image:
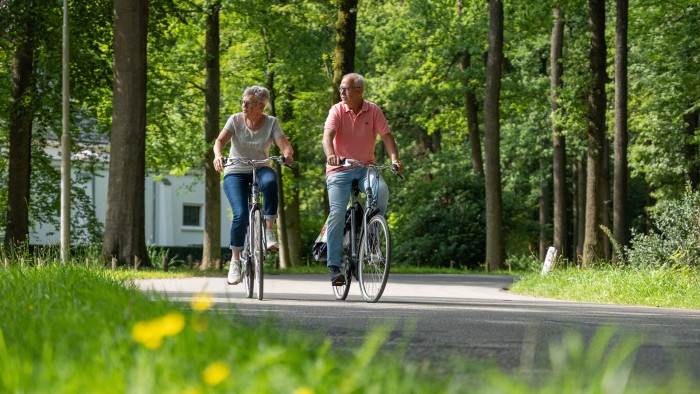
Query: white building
x=174 y=206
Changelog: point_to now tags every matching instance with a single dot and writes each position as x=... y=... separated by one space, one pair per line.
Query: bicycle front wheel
x=375 y=257
x=247 y=267
x=258 y=251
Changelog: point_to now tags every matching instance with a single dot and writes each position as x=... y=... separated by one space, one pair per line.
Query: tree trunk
x=345 y=28
x=21 y=114
x=494 y=210
x=545 y=211
x=558 y=139
x=124 y=238
x=471 y=109
x=579 y=207
x=211 y=244
x=621 y=231
x=691 y=149
x=593 y=241
x=293 y=222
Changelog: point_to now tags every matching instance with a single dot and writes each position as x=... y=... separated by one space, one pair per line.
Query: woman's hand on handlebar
x=219 y=163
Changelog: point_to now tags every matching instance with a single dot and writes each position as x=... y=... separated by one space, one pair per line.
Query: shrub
x=675 y=236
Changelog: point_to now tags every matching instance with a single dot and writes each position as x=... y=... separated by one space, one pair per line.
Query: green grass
x=662 y=287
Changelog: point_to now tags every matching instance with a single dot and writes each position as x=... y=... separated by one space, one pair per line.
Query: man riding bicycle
x=350 y=132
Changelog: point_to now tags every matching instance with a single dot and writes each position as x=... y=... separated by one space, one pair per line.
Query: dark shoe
x=337 y=277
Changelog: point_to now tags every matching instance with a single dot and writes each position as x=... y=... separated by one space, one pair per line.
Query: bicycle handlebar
x=352 y=162
x=228 y=161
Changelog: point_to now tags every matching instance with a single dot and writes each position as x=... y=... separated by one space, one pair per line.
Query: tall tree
x=471 y=108
x=593 y=239
x=21 y=116
x=211 y=246
x=494 y=209
x=124 y=238
x=558 y=140
x=621 y=230
x=345 y=30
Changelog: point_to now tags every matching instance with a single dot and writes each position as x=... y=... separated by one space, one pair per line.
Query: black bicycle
x=366 y=240
x=254 y=247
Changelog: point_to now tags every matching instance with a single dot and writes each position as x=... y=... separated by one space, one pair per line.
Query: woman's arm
x=221 y=141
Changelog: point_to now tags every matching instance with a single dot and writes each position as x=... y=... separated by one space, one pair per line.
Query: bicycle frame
x=254 y=249
x=367 y=259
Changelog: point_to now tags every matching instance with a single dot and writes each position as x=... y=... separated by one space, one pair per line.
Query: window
x=191 y=215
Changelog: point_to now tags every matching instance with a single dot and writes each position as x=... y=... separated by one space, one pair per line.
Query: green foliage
x=675 y=237
x=437 y=215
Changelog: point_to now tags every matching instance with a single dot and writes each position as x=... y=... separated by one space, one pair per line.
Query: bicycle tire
x=258 y=252
x=246 y=266
x=341 y=292
x=375 y=259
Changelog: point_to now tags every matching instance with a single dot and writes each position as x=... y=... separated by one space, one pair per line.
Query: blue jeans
x=237 y=187
x=339 y=185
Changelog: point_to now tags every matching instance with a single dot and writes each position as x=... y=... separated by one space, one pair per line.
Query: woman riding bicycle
x=251 y=133
x=350 y=132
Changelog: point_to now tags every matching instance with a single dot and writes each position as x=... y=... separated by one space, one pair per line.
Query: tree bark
x=345 y=28
x=471 y=108
x=593 y=241
x=621 y=231
x=494 y=210
x=558 y=140
x=211 y=244
x=579 y=207
x=124 y=238
x=21 y=116
x=691 y=149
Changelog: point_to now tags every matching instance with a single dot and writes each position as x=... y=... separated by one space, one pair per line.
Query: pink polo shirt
x=355 y=135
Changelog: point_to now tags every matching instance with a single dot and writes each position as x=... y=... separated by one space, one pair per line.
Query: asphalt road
x=474 y=317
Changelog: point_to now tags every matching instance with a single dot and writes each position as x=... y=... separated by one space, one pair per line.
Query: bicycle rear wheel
x=258 y=251
x=375 y=258
x=247 y=267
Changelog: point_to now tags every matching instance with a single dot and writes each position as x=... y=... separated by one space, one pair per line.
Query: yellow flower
x=202 y=302
x=216 y=373
x=150 y=333
x=303 y=390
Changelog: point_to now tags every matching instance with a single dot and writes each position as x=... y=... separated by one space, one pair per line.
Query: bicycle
x=366 y=240
x=254 y=247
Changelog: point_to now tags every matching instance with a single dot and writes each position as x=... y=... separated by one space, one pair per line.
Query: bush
x=675 y=236
x=437 y=216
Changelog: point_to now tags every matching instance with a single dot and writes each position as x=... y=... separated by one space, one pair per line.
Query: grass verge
x=662 y=287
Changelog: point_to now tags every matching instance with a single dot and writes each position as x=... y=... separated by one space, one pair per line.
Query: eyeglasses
x=248 y=103
x=342 y=89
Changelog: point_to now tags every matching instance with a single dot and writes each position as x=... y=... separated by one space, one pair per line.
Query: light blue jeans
x=339 y=185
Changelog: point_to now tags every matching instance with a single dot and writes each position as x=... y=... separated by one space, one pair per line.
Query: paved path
x=439 y=316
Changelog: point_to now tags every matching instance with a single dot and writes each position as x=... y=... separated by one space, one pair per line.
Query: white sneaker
x=234 y=273
x=271 y=240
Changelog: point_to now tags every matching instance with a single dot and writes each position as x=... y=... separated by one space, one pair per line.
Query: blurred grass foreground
x=72 y=329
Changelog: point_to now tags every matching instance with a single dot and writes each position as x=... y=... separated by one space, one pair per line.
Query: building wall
x=165 y=202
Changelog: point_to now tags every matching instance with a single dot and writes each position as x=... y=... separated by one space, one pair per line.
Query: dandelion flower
x=202 y=302
x=216 y=373
x=151 y=333
x=303 y=390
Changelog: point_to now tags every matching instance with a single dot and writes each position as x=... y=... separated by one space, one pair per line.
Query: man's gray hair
x=359 y=79
x=261 y=94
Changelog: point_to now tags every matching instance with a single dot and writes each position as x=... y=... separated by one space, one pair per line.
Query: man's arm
x=393 y=150
x=328 y=137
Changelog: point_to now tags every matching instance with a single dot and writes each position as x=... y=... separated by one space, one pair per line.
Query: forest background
x=428 y=64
